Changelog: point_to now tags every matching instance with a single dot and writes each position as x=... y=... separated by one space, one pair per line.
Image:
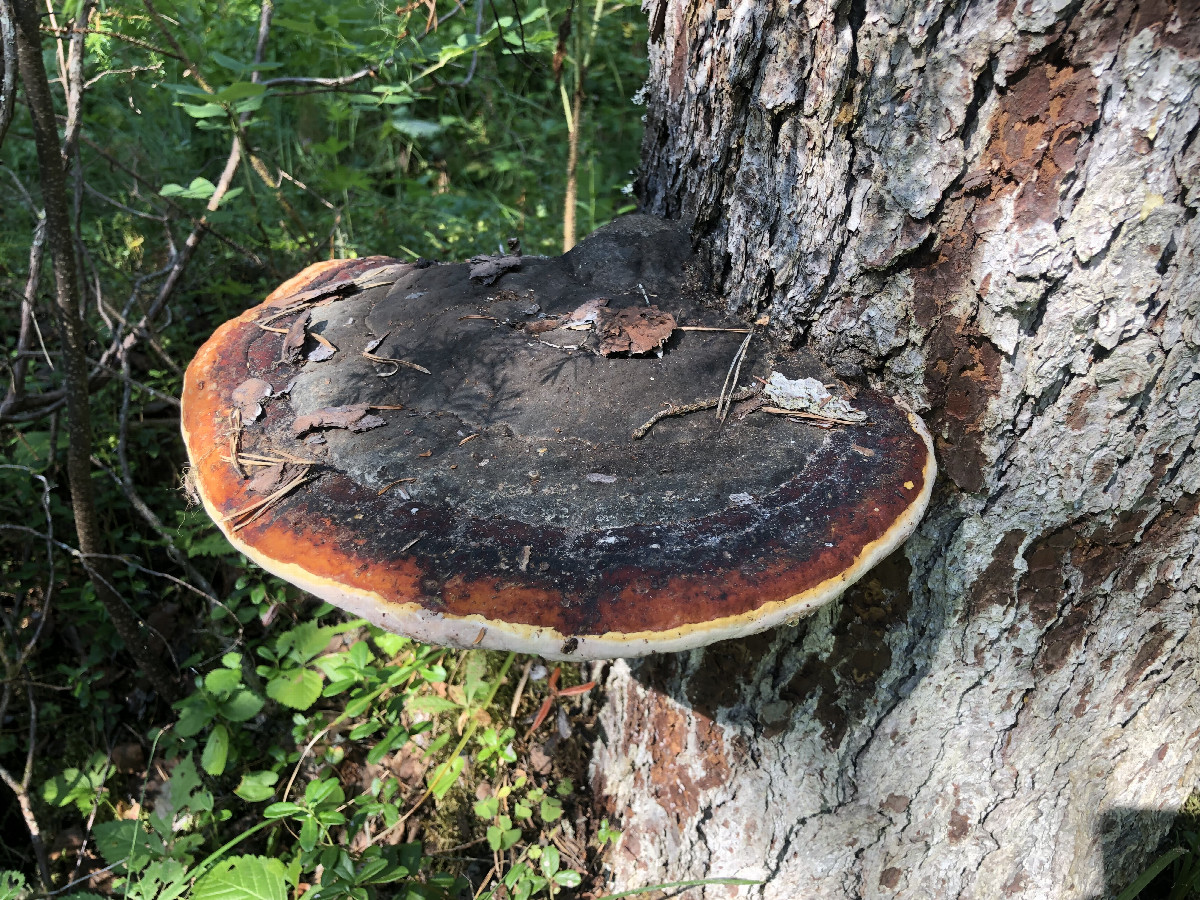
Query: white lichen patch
x=811 y=396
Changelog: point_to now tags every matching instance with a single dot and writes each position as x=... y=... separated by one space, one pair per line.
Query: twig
x=257 y=509
x=799 y=414
x=731 y=378
x=512 y=711
x=137 y=42
x=387 y=487
x=743 y=394
x=132 y=70
x=21 y=789
x=712 y=328
x=341 y=81
x=8 y=86
x=396 y=362
x=29 y=324
x=235 y=420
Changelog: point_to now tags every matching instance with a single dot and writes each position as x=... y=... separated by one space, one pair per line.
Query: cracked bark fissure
x=988 y=208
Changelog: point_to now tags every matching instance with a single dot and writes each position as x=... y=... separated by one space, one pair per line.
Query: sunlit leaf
x=216 y=751
x=243 y=878
x=297 y=688
x=257 y=786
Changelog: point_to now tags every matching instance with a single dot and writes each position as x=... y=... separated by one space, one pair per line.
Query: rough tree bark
x=989 y=208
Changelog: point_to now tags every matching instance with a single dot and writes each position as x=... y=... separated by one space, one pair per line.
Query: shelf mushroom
x=454 y=457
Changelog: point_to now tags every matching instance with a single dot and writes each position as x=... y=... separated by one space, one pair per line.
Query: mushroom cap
x=482 y=487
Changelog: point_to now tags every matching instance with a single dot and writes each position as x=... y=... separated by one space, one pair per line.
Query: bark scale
x=988 y=208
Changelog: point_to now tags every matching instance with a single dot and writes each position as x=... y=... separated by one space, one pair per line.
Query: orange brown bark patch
x=690 y=758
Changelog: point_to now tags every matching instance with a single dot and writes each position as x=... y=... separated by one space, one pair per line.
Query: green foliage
x=243 y=878
x=606 y=834
x=12 y=885
x=363 y=131
x=81 y=787
x=1175 y=873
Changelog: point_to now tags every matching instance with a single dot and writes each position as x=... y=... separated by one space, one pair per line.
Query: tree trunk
x=60 y=237
x=989 y=209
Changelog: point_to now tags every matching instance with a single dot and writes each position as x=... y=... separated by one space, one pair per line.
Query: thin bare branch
x=28 y=326
x=131 y=70
x=8 y=59
x=342 y=81
x=75 y=81
x=129 y=39
x=21 y=789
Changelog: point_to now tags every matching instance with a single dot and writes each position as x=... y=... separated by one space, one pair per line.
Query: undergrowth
x=306 y=754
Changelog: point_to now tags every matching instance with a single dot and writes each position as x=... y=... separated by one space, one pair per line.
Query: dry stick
x=137 y=42
x=28 y=326
x=73 y=88
x=516 y=703
x=387 y=487
x=246 y=461
x=74 y=72
x=235 y=419
x=285 y=457
x=21 y=789
x=800 y=414
x=397 y=362
x=743 y=394
x=58 y=44
x=731 y=378
x=257 y=509
x=712 y=328
x=130 y=70
x=572 y=165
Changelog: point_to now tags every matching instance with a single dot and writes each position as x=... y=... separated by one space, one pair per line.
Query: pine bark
x=989 y=209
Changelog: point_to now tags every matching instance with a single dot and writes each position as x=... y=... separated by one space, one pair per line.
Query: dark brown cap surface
x=434 y=456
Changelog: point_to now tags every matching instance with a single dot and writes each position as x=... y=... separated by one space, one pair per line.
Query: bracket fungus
x=486 y=465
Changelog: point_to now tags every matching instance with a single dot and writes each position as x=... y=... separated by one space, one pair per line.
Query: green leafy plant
x=221 y=701
x=82 y=787
x=606 y=834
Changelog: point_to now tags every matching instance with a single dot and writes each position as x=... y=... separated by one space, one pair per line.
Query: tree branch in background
x=21 y=789
x=74 y=339
x=29 y=326
x=8 y=59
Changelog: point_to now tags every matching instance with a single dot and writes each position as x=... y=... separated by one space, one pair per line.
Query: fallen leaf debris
x=356 y=418
x=293 y=341
x=248 y=397
x=486 y=269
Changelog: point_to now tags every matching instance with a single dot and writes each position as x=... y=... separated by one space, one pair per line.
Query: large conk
x=449 y=451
